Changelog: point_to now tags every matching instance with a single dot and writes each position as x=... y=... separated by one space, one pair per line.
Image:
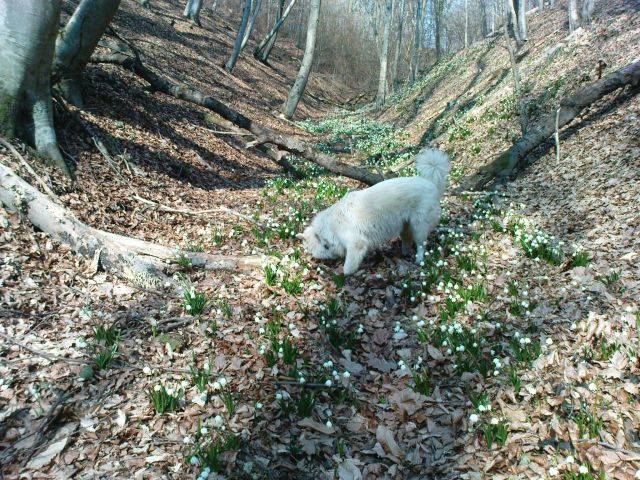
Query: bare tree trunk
x=383 y=55
x=252 y=22
x=513 y=22
x=522 y=112
x=574 y=18
x=192 y=11
x=512 y=160
x=263 y=50
x=484 y=18
x=438 y=6
x=236 y=46
x=27 y=40
x=466 y=23
x=140 y=262
x=417 y=41
x=521 y=10
x=299 y=85
x=76 y=42
x=587 y=11
x=396 y=56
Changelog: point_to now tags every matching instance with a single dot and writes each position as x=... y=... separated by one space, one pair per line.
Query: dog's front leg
x=355 y=254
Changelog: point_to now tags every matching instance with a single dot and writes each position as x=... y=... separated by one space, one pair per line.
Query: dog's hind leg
x=355 y=255
x=407 y=239
x=420 y=232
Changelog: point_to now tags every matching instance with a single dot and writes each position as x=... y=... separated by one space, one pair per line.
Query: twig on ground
x=557 y=136
x=48 y=356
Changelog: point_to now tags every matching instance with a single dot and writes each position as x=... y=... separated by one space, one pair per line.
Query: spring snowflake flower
x=186 y=440
x=223 y=381
x=216 y=385
x=346 y=374
x=329 y=424
x=592 y=387
x=473 y=418
x=188 y=308
x=301 y=380
x=146 y=370
x=193 y=460
x=494 y=421
x=328 y=383
x=553 y=471
x=570 y=459
x=157 y=388
x=204 y=430
x=583 y=469
x=278 y=396
x=218 y=418
x=637 y=475
x=482 y=408
x=258 y=405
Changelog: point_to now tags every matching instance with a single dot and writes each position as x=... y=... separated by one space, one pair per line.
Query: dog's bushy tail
x=433 y=164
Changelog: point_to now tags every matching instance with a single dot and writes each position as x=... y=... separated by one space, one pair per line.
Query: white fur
x=406 y=206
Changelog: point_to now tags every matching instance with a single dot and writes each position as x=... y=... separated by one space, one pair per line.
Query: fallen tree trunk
x=262 y=133
x=513 y=159
x=140 y=262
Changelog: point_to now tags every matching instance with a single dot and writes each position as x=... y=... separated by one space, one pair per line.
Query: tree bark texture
x=417 y=41
x=262 y=133
x=513 y=159
x=192 y=11
x=76 y=42
x=513 y=22
x=252 y=21
x=289 y=107
x=241 y=29
x=438 y=6
x=27 y=40
x=395 y=78
x=383 y=55
x=521 y=14
x=574 y=19
x=138 y=261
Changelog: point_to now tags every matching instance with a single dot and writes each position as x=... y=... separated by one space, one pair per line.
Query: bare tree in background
x=580 y=12
x=512 y=19
x=77 y=41
x=417 y=40
x=438 y=18
x=396 y=56
x=192 y=11
x=252 y=21
x=383 y=54
x=240 y=35
x=263 y=50
x=289 y=107
x=520 y=7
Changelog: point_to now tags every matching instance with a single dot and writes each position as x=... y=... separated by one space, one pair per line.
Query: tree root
x=139 y=262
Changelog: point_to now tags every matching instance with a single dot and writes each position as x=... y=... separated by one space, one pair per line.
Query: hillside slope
x=512 y=353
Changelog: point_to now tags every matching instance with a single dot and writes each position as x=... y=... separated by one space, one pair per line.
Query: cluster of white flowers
x=219 y=383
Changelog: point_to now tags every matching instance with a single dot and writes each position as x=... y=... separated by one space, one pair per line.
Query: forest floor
x=511 y=353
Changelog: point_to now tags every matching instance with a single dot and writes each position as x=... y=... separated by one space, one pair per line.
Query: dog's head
x=319 y=241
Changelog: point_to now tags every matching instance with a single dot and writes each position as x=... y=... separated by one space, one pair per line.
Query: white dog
x=406 y=206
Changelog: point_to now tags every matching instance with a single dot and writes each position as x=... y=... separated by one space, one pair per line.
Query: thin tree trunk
x=241 y=29
x=263 y=50
x=466 y=23
x=484 y=18
x=27 y=41
x=417 y=41
x=252 y=22
x=383 y=55
x=522 y=113
x=513 y=159
x=521 y=10
x=76 y=42
x=192 y=11
x=574 y=19
x=439 y=19
x=586 y=11
x=138 y=261
x=396 y=56
x=299 y=85
x=263 y=134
